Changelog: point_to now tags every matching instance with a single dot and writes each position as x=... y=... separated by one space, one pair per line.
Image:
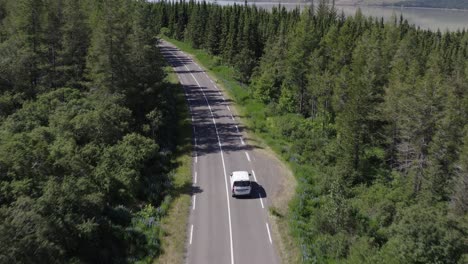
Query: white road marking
x=194 y=202
x=269 y=235
x=259 y=196
x=242 y=141
x=211 y=80
x=248 y=157
x=191 y=234
x=192 y=119
x=195 y=181
x=237 y=128
x=195 y=142
x=196 y=157
x=232 y=117
x=261 y=200
x=224 y=168
x=223 y=98
x=253 y=172
x=228 y=108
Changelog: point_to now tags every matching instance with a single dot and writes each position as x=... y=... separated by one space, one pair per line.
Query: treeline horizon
x=372 y=117
x=88 y=129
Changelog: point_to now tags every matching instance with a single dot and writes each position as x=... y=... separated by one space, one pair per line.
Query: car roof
x=240 y=176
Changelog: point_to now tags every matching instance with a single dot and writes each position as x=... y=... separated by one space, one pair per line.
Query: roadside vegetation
x=174 y=223
x=371 y=116
x=91 y=158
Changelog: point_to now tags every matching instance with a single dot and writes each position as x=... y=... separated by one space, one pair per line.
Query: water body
x=425 y=18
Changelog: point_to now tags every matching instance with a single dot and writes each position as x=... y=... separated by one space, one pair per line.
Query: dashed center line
x=228 y=108
x=232 y=117
x=195 y=180
x=242 y=141
x=194 y=201
x=248 y=158
x=191 y=234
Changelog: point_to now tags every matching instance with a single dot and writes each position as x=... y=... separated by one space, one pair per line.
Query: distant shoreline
x=354 y=5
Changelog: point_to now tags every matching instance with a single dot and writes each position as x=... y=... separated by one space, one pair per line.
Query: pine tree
x=108 y=57
x=214 y=31
x=76 y=39
x=302 y=42
x=53 y=38
x=356 y=122
x=25 y=46
x=266 y=84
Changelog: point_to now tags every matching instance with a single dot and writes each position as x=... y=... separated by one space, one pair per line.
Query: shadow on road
x=257 y=192
x=205 y=131
x=196 y=190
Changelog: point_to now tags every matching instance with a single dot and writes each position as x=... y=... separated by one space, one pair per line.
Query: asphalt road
x=222 y=229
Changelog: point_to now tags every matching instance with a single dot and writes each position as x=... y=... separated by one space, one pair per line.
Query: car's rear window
x=242 y=183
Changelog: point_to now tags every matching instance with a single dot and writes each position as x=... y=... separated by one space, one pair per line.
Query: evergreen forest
x=87 y=132
x=371 y=115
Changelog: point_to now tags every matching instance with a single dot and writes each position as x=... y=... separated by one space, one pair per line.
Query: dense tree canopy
x=373 y=117
x=86 y=132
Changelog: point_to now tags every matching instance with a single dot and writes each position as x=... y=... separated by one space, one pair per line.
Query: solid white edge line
x=191 y=234
x=248 y=157
x=194 y=201
x=224 y=166
x=269 y=235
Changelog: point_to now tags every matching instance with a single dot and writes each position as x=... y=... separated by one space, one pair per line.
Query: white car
x=240 y=183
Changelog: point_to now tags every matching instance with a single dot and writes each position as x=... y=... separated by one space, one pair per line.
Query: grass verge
x=251 y=113
x=174 y=224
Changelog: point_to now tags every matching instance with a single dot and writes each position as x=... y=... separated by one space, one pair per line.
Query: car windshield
x=242 y=183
